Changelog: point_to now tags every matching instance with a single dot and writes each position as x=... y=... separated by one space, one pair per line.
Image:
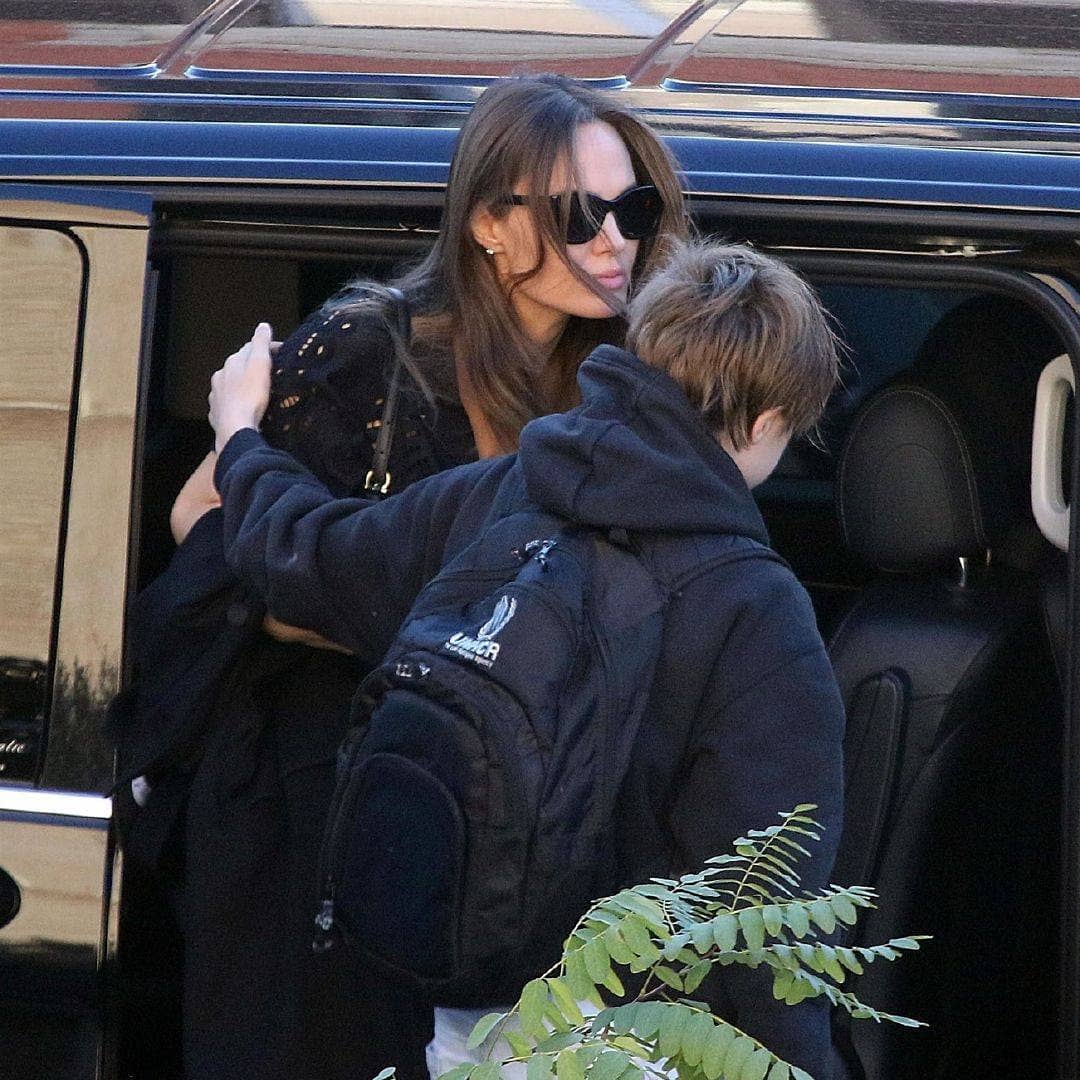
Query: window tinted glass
x=981 y=46
x=442 y=37
x=40 y=286
x=90 y=33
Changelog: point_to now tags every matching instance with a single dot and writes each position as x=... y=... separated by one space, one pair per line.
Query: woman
x=558 y=200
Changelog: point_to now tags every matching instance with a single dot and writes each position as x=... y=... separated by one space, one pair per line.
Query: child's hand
x=240 y=391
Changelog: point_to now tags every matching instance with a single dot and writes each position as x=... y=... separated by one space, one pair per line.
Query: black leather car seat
x=951 y=753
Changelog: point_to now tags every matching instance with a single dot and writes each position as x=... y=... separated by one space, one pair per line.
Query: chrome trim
x=52 y=211
x=200 y=34
x=425 y=185
x=94 y=572
x=55 y=803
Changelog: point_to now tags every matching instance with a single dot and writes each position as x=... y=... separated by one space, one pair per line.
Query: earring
x=489 y=251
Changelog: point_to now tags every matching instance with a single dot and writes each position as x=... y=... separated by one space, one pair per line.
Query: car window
x=444 y=37
x=954 y=46
x=91 y=33
x=41 y=280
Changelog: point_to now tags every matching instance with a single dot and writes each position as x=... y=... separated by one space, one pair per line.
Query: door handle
x=10 y=898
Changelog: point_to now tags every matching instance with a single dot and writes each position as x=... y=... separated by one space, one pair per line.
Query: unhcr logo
x=482 y=649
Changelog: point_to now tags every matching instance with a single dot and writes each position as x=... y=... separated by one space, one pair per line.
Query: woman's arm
x=197 y=496
x=294 y=635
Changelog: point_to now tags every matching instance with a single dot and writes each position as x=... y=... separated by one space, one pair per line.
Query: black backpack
x=472 y=822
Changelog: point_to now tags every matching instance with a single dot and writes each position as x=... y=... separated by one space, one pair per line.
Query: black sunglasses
x=637 y=213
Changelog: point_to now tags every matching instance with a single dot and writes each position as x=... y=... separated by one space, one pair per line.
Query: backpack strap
x=377 y=481
x=692 y=556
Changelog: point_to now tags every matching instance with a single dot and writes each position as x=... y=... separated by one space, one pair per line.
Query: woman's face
x=546 y=300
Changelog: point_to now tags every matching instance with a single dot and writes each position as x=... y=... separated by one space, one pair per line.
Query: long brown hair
x=519 y=131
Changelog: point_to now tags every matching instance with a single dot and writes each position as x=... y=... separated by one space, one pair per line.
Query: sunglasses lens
x=583 y=224
x=637 y=213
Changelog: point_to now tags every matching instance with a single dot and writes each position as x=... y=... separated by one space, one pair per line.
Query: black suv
x=170 y=175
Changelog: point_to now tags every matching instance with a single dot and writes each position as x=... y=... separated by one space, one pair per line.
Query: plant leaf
x=822 y=913
x=752 y=927
x=577 y=976
x=649 y=910
x=725 y=931
x=617 y=948
x=850 y=960
x=797 y=919
x=534 y=999
x=773 y=919
x=702 y=936
x=698 y=1029
x=636 y=934
x=565 y=1001
x=694 y=976
x=610 y=1065
x=597 y=961
x=486 y=1070
x=780 y=1070
x=568 y=1066
x=650 y=1015
x=539 y=1067
x=738 y=1055
x=613 y=983
x=559 y=1041
x=385 y=1074
x=482 y=1029
x=844 y=909
x=458 y=1072
x=716 y=1047
x=757 y=1066
x=672 y=1027
x=666 y=975
x=521 y=1046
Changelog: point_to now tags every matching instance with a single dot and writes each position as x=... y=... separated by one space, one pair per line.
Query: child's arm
x=347 y=569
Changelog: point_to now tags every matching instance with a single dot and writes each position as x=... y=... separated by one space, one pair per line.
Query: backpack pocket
x=401 y=874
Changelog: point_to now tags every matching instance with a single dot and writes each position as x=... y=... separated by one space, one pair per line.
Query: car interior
x=908 y=517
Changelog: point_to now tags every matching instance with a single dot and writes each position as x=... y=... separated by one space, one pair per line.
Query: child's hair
x=740 y=332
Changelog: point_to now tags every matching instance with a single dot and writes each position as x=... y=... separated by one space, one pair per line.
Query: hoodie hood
x=635 y=455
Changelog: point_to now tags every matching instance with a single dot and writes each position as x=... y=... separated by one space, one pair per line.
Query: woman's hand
x=240 y=391
x=196 y=497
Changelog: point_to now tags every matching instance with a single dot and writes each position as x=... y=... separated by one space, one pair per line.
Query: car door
x=72 y=289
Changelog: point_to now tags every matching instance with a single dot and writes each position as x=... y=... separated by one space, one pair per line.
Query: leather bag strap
x=377 y=481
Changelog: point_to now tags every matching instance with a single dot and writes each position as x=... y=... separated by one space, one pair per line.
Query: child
x=734 y=357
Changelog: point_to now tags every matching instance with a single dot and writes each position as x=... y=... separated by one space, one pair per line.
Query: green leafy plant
x=745 y=908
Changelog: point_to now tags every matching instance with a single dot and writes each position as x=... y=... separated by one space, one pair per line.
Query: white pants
x=449 y=1047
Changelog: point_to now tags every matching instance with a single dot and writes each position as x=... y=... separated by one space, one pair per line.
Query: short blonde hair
x=740 y=332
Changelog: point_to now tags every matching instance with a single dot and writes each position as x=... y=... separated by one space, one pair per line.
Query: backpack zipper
x=325 y=936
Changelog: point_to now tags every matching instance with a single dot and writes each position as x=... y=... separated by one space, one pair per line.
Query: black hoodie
x=744 y=718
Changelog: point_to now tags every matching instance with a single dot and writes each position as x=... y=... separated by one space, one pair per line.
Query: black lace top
x=328 y=391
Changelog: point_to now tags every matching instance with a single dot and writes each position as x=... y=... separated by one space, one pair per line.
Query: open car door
x=73 y=285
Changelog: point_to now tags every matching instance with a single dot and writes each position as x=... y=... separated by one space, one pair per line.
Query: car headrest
x=907 y=494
